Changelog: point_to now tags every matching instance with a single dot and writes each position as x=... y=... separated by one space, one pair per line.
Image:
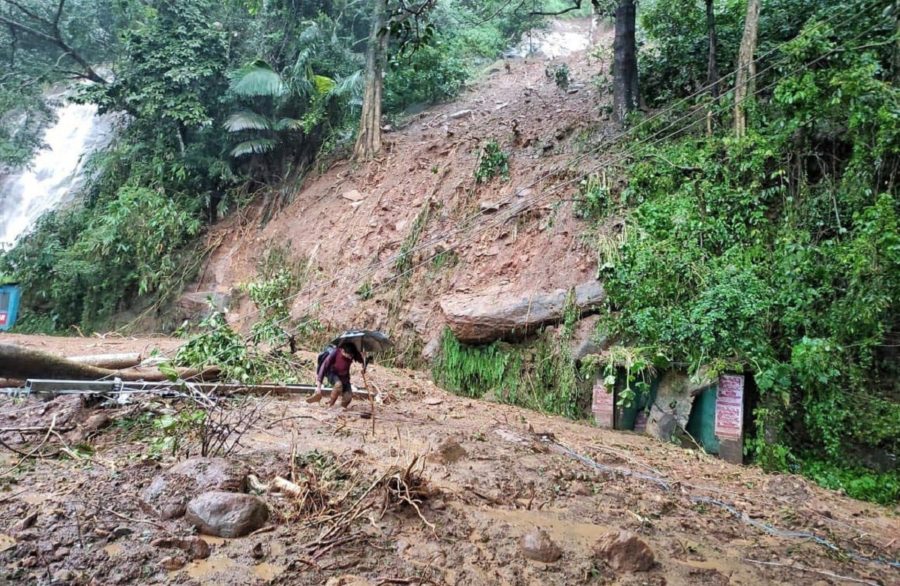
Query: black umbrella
x=365 y=341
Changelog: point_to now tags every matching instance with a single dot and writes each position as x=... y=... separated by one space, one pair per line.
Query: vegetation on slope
x=224 y=99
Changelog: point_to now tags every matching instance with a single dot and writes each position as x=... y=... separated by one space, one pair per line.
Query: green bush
x=81 y=264
x=748 y=255
x=492 y=162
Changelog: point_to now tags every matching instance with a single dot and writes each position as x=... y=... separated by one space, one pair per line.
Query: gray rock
x=585 y=339
x=536 y=545
x=63 y=577
x=172 y=563
x=671 y=410
x=226 y=514
x=170 y=491
x=492 y=315
x=625 y=552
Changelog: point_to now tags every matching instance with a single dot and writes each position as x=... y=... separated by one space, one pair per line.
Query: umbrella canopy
x=365 y=341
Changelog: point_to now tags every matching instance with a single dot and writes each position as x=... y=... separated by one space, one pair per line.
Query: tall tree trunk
x=625 y=71
x=712 y=68
x=368 y=141
x=743 y=85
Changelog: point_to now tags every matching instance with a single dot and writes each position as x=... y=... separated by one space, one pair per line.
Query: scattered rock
x=172 y=563
x=536 y=545
x=63 y=577
x=258 y=552
x=432 y=348
x=121 y=531
x=25 y=522
x=96 y=422
x=170 y=491
x=438 y=505
x=450 y=451
x=226 y=514
x=433 y=401
x=200 y=304
x=491 y=314
x=625 y=552
x=195 y=547
x=489 y=206
x=61 y=553
x=461 y=114
x=353 y=195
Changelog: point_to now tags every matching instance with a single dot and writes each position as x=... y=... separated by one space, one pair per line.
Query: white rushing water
x=55 y=172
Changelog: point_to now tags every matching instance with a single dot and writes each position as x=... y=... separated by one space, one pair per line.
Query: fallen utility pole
x=55 y=387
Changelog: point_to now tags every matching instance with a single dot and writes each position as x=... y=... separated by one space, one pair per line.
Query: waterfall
x=55 y=172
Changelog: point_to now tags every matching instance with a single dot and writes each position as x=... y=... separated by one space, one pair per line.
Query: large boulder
x=492 y=315
x=171 y=490
x=226 y=514
x=671 y=410
x=625 y=552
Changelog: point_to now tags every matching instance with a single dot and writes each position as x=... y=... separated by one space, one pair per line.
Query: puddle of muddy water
x=211 y=570
x=557 y=528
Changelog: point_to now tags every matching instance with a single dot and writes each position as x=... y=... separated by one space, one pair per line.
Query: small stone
x=450 y=451
x=438 y=505
x=258 y=552
x=121 y=531
x=195 y=547
x=60 y=553
x=536 y=545
x=63 y=577
x=227 y=514
x=25 y=522
x=353 y=195
x=172 y=563
x=96 y=421
x=625 y=552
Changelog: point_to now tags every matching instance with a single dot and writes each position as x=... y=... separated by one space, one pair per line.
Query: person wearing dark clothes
x=336 y=368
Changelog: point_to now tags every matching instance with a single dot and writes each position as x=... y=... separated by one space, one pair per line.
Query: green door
x=702 y=422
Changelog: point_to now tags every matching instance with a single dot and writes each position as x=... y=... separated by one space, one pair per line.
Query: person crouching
x=336 y=368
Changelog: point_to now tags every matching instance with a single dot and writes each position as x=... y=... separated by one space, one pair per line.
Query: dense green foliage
x=539 y=374
x=221 y=98
x=779 y=254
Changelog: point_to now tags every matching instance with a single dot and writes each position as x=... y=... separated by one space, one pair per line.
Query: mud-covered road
x=487 y=475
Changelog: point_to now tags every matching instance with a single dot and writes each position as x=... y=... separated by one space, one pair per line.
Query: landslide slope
x=353 y=221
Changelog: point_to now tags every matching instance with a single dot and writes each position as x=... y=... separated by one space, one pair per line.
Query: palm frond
x=253 y=147
x=323 y=84
x=289 y=124
x=247 y=120
x=257 y=79
x=352 y=86
x=311 y=34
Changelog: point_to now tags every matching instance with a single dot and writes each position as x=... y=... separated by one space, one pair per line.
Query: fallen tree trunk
x=23 y=363
x=490 y=315
x=113 y=361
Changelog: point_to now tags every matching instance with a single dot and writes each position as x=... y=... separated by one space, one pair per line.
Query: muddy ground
x=487 y=473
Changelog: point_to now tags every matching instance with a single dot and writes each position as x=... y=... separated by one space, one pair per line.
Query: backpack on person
x=323 y=355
